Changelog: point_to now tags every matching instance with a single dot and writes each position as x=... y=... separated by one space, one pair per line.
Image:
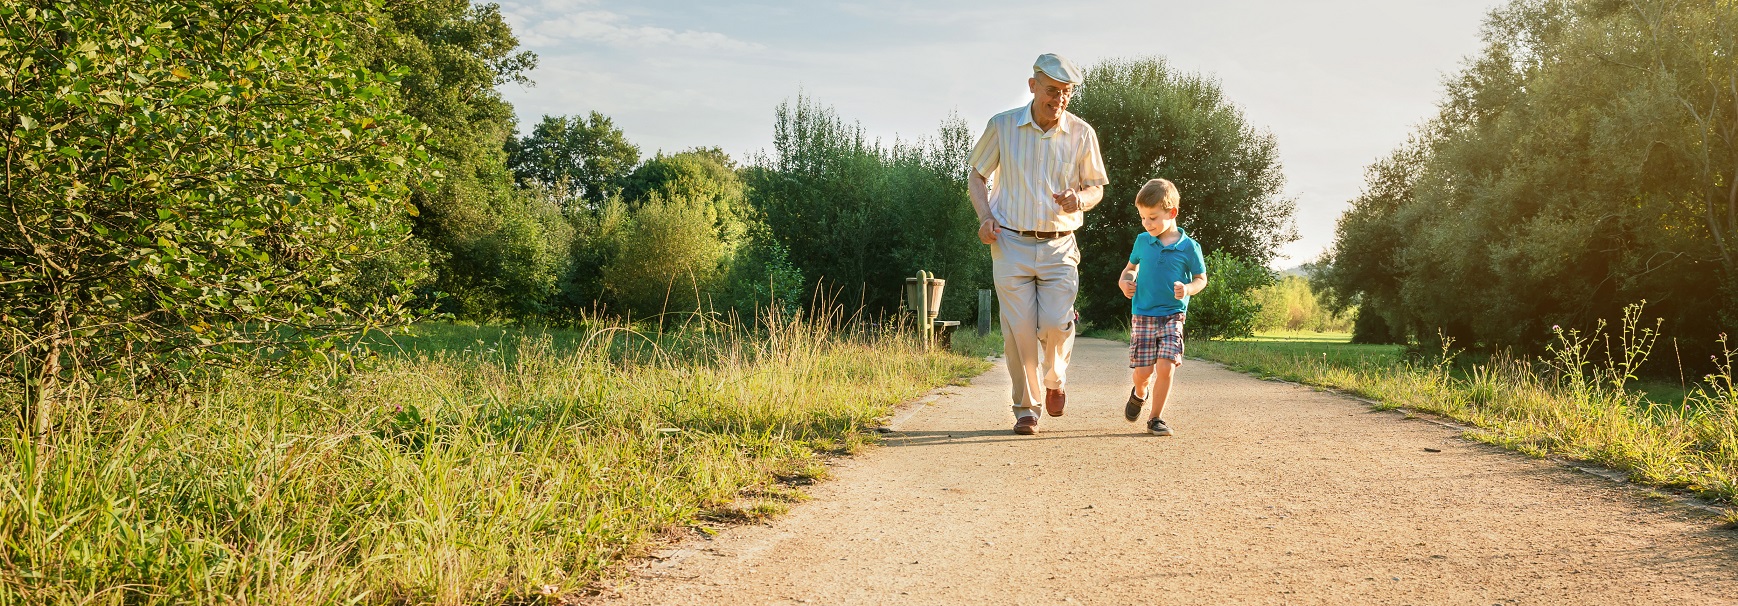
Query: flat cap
x=1058 y=68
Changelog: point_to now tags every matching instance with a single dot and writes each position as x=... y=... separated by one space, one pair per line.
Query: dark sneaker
x=1132 y=410
x=1158 y=427
x=1026 y=425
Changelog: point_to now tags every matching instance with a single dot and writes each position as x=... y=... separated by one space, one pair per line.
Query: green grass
x=1336 y=349
x=968 y=343
x=1660 y=433
x=1302 y=336
x=467 y=465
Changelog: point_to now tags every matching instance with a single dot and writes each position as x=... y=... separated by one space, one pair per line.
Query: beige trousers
x=1036 y=282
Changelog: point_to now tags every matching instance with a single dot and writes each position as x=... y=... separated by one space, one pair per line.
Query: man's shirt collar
x=1061 y=124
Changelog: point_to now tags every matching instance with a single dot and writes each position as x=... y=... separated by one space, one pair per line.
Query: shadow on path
x=924 y=438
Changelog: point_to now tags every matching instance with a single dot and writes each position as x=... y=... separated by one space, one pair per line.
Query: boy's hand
x=987 y=230
x=1178 y=286
x=1127 y=286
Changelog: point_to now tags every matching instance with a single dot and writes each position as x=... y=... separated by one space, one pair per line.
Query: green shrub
x=1228 y=308
x=857 y=217
x=193 y=184
x=669 y=259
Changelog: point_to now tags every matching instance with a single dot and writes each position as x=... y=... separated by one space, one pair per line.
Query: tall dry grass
x=1578 y=402
x=471 y=465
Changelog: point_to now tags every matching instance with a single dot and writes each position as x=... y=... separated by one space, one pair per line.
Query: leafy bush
x=668 y=260
x=191 y=183
x=598 y=236
x=1228 y=307
x=762 y=278
x=518 y=266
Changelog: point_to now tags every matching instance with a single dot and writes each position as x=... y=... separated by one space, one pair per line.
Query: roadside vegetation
x=466 y=464
x=1591 y=396
x=1582 y=400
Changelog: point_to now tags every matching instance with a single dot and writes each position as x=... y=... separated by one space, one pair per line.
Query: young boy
x=1163 y=270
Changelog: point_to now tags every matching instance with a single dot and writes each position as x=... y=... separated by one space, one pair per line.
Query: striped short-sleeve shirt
x=1027 y=166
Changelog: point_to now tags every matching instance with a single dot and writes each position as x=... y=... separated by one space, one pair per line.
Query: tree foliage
x=707 y=180
x=1229 y=307
x=588 y=155
x=1153 y=122
x=1290 y=304
x=668 y=261
x=1584 y=160
x=1360 y=269
x=191 y=183
x=857 y=217
x=496 y=250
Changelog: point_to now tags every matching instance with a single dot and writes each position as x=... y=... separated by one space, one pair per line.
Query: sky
x=1339 y=83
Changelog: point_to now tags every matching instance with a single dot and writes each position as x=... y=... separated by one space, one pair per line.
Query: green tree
x=762 y=278
x=496 y=250
x=816 y=192
x=668 y=261
x=857 y=217
x=706 y=177
x=588 y=154
x=190 y=184
x=599 y=236
x=1290 y=304
x=1361 y=268
x=1583 y=160
x=924 y=182
x=1153 y=122
x=1229 y=307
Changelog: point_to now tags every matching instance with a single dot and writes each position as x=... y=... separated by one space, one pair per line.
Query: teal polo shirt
x=1160 y=266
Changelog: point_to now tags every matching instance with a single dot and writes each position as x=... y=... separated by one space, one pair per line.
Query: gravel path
x=1269 y=493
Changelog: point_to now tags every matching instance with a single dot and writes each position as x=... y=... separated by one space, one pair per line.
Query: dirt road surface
x=1269 y=493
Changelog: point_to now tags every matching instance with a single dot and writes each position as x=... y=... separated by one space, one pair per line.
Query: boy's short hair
x=1158 y=193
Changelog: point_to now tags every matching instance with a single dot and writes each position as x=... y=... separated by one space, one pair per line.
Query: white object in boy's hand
x=1178 y=286
x=1127 y=284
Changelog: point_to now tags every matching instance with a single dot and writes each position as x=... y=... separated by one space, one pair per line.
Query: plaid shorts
x=1154 y=338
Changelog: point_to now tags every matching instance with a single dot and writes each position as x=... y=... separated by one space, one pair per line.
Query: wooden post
x=983 y=311
x=925 y=327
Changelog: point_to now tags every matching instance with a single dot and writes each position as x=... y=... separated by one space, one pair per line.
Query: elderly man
x=1046 y=172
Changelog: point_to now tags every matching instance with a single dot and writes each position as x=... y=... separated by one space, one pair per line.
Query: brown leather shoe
x=1054 y=400
x=1026 y=425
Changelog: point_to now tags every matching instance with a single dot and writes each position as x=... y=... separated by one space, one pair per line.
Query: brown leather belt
x=1042 y=235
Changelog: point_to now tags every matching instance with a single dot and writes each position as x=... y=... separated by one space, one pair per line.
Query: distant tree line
x=1290 y=304
x=829 y=215
x=1584 y=160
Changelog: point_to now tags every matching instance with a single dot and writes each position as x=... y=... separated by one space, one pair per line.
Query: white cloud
x=553 y=23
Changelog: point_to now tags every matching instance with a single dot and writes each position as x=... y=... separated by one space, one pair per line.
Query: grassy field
x=1663 y=434
x=465 y=465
